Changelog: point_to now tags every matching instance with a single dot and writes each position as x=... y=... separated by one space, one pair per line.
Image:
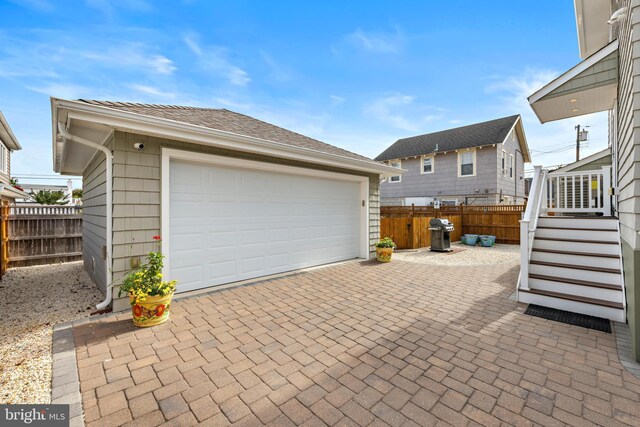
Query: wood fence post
x=4 y=236
x=410 y=226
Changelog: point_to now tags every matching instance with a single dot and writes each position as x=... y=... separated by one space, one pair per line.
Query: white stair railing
x=529 y=222
x=579 y=192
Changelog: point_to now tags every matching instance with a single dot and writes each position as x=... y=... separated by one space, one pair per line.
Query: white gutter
x=109 y=207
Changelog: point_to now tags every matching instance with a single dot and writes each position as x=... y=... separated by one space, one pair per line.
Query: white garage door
x=228 y=223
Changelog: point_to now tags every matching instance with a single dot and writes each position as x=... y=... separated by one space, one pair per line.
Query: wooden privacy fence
x=40 y=234
x=408 y=226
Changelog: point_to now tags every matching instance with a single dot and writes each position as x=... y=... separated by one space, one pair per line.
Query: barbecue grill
x=440 y=234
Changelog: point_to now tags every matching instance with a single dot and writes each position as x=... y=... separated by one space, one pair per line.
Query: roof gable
x=227 y=121
x=475 y=135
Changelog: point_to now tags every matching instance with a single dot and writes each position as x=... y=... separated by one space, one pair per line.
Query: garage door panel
x=228 y=224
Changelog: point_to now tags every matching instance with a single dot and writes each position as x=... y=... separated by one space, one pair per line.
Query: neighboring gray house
x=481 y=163
x=234 y=198
x=8 y=144
x=608 y=79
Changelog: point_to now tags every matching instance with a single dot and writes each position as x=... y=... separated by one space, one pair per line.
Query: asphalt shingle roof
x=485 y=133
x=228 y=121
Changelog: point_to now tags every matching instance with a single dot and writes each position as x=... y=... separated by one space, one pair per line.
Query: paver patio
x=360 y=344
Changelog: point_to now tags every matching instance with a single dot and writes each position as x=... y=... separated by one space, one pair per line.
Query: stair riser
x=577 y=222
x=591 y=261
x=561 y=233
x=614 y=314
x=597 y=248
x=572 y=289
x=573 y=273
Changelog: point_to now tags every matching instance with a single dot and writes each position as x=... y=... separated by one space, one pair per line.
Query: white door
x=230 y=223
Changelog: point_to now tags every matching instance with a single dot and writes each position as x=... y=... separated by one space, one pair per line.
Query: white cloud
x=213 y=58
x=153 y=91
x=63 y=90
x=400 y=111
x=132 y=56
x=110 y=7
x=513 y=91
x=336 y=100
x=277 y=71
x=376 y=42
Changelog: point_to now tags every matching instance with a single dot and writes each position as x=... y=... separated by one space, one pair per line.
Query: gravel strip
x=462 y=255
x=32 y=299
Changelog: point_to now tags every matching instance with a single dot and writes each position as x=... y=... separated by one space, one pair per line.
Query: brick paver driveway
x=356 y=344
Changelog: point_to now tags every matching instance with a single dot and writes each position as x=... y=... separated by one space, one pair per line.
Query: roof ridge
x=514 y=116
x=292 y=131
x=139 y=104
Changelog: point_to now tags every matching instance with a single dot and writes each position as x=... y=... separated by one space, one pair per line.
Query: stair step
x=579 y=217
x=576 y=282
x=556 y=251
x=577 y=298
x=563 y=245
x=575 y=228
x=556 y=239
x=577 y=267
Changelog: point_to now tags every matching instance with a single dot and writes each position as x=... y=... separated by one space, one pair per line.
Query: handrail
x=526 y=232
x=543 y=182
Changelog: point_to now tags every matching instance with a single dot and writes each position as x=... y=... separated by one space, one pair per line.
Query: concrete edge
x=65 y=384
x=625 y=354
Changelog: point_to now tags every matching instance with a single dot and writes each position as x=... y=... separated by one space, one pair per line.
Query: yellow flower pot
x=152 y=311
x=384 y=254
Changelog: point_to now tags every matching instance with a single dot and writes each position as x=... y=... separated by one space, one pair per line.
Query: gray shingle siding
x=94 y=218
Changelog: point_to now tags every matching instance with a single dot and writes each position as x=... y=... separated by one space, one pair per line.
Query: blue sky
x=357 y=74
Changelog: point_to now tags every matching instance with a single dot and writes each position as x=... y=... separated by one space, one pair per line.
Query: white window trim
x=433 y=164
x=510 y=166
x=399 y=162
x=503 y=162
x=4 y=160
x=475 y=164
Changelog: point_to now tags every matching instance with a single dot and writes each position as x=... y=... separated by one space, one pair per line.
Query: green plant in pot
x=149 y=294
x=384 y=249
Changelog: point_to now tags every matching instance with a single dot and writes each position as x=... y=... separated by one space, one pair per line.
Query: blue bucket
x=487 y=241
x=471 y=239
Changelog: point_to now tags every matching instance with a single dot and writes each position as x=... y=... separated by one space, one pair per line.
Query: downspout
x=109 y=207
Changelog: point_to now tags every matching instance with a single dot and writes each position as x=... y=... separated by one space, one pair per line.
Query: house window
x=427 y=164
x=510 y=165
x=466 y=162
x=504 y=163
x=395 y=164
x=3 y=158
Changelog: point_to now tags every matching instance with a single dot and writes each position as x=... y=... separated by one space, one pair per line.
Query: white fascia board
x=571 y=73
x=172 y=129
x=524 y=147
x=7 y=136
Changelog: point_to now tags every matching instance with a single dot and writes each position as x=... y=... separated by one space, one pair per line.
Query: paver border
x=65 y=383
x=625 y=354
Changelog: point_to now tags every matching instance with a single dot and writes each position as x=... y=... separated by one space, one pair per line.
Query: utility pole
x=580 y=137
x=577 y=142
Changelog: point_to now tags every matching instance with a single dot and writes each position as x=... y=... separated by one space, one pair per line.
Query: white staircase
x=571 y=263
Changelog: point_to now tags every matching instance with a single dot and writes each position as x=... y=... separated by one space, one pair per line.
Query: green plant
x=77 y=193
x=45 y=197
x=147 y=280
x=386 y=243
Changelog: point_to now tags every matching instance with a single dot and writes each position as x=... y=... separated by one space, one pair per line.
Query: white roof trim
x=524 y=146
x=571 y=73
x=7 y=136
x=171 y=129
x=572 y=166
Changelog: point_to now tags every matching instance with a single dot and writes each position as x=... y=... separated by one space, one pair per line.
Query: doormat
x=590 y=322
